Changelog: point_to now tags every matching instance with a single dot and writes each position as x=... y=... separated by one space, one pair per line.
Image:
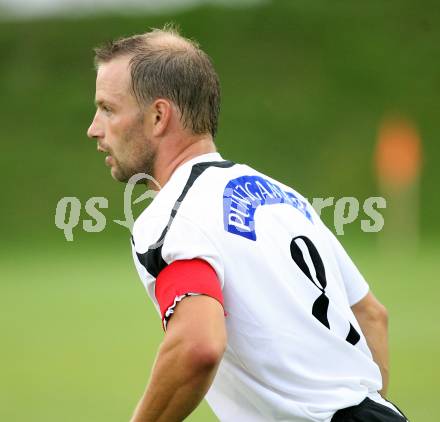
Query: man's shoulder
x=189 y=192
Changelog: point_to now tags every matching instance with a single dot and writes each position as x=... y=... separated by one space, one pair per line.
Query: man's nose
x=94 y=131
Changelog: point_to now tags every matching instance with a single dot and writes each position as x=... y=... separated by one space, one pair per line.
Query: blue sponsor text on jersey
x=243 y=195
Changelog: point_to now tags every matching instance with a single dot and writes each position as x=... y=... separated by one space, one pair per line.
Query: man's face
x=119 y=126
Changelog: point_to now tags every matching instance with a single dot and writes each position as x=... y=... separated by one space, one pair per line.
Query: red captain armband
x=185 y=278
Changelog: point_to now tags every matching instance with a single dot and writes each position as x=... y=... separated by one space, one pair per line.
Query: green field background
x=305 y=88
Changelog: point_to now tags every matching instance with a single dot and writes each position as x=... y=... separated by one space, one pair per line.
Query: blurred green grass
x=79 y=334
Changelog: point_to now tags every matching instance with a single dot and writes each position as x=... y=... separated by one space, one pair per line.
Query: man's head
x=150 y=88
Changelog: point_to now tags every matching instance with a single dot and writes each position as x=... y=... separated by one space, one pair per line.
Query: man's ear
x=162 y=110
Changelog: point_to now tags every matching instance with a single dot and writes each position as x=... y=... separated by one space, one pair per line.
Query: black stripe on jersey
x=152 y=260
x=353 y=336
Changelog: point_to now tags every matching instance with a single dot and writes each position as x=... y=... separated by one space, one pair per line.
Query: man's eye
x=106 y=109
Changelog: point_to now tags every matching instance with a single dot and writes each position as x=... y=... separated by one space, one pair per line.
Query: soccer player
x=264 y=312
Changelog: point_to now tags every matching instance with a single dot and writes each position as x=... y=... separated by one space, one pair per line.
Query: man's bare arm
x=186 y=363
x=373 y=319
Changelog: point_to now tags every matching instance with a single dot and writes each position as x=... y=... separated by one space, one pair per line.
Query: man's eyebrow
x=101 y=102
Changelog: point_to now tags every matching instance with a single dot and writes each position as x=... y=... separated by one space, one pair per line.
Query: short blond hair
x=164 y=64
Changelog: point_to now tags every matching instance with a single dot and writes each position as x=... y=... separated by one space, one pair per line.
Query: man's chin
x=118 y=175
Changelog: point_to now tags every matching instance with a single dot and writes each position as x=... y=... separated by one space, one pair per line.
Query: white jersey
x=295 y=351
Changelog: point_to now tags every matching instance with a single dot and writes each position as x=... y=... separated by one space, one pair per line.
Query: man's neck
x=166 y=166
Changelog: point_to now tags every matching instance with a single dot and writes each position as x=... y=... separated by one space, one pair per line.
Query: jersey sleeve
x=184 y=262
x=188 y=240
x=189 y=277
x=355 y=285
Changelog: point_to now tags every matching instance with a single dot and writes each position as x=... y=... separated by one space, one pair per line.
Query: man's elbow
x=371 y=311
x=204 y=356
x=379 y=314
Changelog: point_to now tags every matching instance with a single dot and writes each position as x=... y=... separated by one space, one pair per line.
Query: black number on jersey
x=320 y=306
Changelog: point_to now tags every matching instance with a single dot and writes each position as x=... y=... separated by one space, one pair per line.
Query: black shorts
x=368 y=411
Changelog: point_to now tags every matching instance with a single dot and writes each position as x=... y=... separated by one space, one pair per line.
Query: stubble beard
x=142 y=157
